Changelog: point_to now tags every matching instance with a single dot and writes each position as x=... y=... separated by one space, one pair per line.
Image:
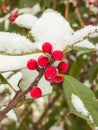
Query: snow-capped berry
x=13 y=17
x=50 y=73
x=32 y=64
x=36 y=92
x=57 y=55
x=58 y=79
x=63 y=67
x=47 y=47
x=43 y=61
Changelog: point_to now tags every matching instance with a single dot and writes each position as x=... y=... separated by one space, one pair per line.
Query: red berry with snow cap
x=63 y=67
x=47 y=47
x=32 y=64
x=36 y=92
x=50 y=73
x=58 y=79
x=43 y=61
x=57 y=55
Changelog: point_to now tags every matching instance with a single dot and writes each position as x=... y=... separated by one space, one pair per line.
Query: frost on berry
x=63 y=67
x=32 y=64
x=43 y=61
x=50 y=73
x=58 y=79
x=36 y=92
x=47 y=47
x=57 y=55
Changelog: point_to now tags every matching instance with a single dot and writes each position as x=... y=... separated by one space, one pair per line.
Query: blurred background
x=49 y=112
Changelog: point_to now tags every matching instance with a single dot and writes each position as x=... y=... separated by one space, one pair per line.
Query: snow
x=55 y=127
x=11 y=63
x=84 y=44
x=12 y=115
x=96 y=128
x=34 y=10
x=14 y=80
x=78 y=105
x=81 y=34
x=26 y=20
x=29 y=76
x=12 y=43
x=51 y=27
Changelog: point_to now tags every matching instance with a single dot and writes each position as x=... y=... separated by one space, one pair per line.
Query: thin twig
x=74 y=2
x=67 y=9
x=35 y=126
x=20 y=94
x=54 y=4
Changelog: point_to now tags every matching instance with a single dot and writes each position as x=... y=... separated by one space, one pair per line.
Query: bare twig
x=67 y=9
x=54 y=4
x=49 y=106
x=74 y=2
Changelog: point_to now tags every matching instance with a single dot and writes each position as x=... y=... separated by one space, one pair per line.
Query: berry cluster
x=52 y=73
x=13 y=17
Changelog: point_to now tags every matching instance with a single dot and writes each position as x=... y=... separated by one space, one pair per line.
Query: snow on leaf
x=86 y=44
x=81 y=34
x=78 y=105
x=15 y=44
x=12 y=115
x=81 y=100
x=53 y=28
x=11 y=63
x=34 y=10
x=29 y=76
x=26 y=20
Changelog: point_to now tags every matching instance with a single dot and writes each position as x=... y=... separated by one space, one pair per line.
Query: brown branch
x=18 y=97
x=49 y=106
x=74 y=2
x=54 y=4
x=67 y=9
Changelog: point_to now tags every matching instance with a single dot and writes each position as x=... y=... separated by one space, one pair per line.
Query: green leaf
x=3 y=80
x=84 y=103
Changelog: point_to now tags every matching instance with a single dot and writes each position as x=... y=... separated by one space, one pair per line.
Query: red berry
x=32 y=64
x=90 y=3
x=43 y=61
x=47 y=47
x=36 y=92
x=50 y=73
x=3 y=6
x=63 y=67
x=13 y=17
x=57 y=55
x=58 y=79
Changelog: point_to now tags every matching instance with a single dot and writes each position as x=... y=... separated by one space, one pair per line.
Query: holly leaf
x=15 y=44
x=12 y=63
x=81 y=101
x=84 y=45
